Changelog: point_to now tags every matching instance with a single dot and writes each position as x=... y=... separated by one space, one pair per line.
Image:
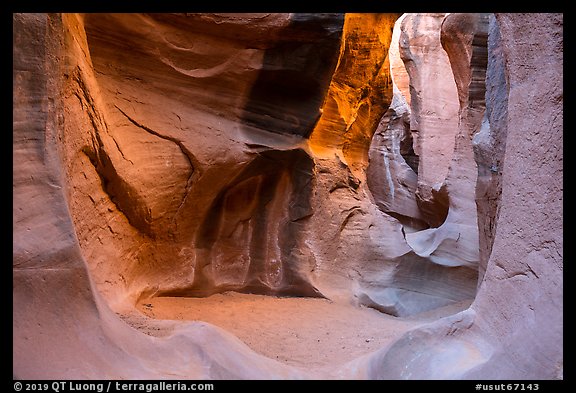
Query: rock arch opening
x=357 y=188
x=372 y=201
x=136 y=165
x=316 y=156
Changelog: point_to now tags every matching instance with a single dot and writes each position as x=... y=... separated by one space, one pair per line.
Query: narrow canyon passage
x=258 y=234
x=287 y=196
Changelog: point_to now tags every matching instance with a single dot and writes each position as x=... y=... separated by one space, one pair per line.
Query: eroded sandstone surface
x=406 y=163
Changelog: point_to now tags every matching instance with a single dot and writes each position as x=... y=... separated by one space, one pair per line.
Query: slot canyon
x=288 y=196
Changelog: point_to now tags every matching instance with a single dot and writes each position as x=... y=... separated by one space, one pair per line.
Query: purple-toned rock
x=434 y=109
x=514 y=328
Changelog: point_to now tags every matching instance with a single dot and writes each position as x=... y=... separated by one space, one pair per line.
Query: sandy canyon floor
x=302 y=332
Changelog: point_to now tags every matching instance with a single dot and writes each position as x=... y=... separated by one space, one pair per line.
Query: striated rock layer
x=392 y=171
x=455 y=241
x=285 y=154
x=440 y=231
x=360 y=90
x=223 y=201
x=514 y=328
x=489 y=146
x=62 y=327
x=434 y=114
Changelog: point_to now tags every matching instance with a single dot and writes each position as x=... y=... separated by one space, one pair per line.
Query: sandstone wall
x=514 y=328
x=284 y=154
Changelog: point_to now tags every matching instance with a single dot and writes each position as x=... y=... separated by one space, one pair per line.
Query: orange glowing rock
x=360 y=91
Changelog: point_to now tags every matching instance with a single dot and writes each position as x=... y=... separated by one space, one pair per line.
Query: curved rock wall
x=514 y=328
x=62 y=327
x=282 y=154
x=392 y=172
x=455 y=242
x=360 y=90
x=434 y=104
x=489 y=145
x=441 y=231
x=526 y=263
x=221 y=201
x=182 y=142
